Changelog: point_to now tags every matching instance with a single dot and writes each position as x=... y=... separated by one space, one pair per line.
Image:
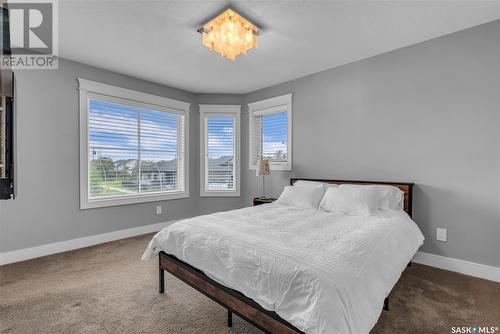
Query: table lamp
x=263 y=170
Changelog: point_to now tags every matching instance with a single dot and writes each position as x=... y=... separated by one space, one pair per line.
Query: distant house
x=221 y=173
x=155 y=175
x=162 y=175
x=159 y=175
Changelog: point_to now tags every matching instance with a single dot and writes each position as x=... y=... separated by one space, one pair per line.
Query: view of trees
x=107 y=179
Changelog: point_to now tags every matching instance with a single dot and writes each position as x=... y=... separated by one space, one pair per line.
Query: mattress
x=322 y=272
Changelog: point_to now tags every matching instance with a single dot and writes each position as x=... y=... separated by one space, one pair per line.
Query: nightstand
x=265 y=200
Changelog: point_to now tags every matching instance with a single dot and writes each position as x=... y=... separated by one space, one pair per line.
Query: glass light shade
x=229 y=34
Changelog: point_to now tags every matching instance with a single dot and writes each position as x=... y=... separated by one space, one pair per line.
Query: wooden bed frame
x=236 y=302
x=406 y=188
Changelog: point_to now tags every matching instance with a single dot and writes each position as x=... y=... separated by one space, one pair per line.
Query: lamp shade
x=263 y=168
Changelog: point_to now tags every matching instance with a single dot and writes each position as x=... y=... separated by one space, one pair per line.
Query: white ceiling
x=157 y=40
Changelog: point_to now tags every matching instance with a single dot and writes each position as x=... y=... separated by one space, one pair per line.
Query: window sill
x=274 y=167
x=220 y=194
x=142 y=198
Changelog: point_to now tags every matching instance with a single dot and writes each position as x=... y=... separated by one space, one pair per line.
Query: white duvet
x=323 y=273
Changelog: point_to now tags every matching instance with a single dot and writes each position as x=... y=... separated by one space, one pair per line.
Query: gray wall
x=46 y=209
x=428 y=114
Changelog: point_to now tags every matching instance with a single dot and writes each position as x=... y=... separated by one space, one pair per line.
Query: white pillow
x=313 y=184
x=353 y=201
x=388 y=197
x=302 y=197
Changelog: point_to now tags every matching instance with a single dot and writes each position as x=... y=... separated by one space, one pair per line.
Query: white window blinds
x=271 y=136
x=270 y=129
x=219 y=150
x=133 y=150
x=220 y=170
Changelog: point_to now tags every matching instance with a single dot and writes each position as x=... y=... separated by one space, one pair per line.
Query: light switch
x=441 y=234
x=158 y=209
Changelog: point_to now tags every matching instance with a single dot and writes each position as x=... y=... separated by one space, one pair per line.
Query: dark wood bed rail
x=405 y=187
x=232 y=300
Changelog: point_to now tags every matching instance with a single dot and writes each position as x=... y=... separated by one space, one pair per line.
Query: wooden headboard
x=406 y=188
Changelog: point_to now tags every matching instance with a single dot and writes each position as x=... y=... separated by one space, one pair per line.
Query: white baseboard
x=64 y=246
x=464 y=267
x=460 y=266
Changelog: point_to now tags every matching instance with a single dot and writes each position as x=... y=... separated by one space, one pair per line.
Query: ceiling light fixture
x=229 y=34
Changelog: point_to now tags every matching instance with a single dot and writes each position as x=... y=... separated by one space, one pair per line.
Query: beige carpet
x=108 y=289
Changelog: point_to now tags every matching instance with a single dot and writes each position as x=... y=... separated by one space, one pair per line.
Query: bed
x=293 y=270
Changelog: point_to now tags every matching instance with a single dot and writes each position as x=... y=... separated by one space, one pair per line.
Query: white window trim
x=214 y=110
x=88 y=89
x=278 y=103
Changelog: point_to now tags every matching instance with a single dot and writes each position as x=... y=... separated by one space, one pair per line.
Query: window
x=132 y=146
x=271 y=132
x=220 y=150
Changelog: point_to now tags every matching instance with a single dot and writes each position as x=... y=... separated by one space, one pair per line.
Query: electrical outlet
x=441 y=234
x=158 y=209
